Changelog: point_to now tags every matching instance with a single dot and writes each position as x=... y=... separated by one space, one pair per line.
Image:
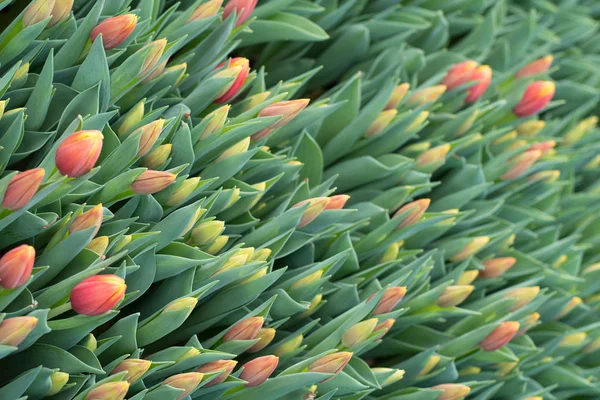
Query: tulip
x=149 y=182
x=288 y=346
x=157 y=157
x=421 y=118
x=397 y=96
x=530 y=128
x=536 y=67
x=452 y=391
x=471 y=248
x=241 y=67
x=265 y=336
x=97 y=294
x=261 y=255
x=415 y=209
x=157 y=49
x=187 y=381
x=385 y=326
x=89 y=219
x=180 y=69
x=13 y=331
x=482 y=74
x=315 y=207
x=184 y=303
x=258 y=370
x=426 y=95
x=467 y=277
x=135 y=369
x=313 y=277
x=537 y=96
x=522 y=296
x=207 y=232
x=216 y=121
x=337 y=202
x=506 y=367
x=244 y=330
x=580 y=130
x=109 y=391
x=391 y=297
x=543 y=147
x=243 y=9
x=205 y=10
x=548 y=176
x=37 y=11
x=131 y=119
x=459 y=74
x=381 y=122
x=452 y=296
x=433 y=157
x=89 y=342
x=430 y=365
x=496 y=267
x=314 y=303
x=331 y=363
x=395 y=377
x=16 y=266
x=217 y=245
x=183 y=192
x=534 y=398
x=60 y=11
x=58 y=380
x=574 y=339
x=149 y=133
x=570 y=306
x=527 y=323
x=238 y=148
x=224 y=367
x=500 y=336
x=391 y=253
x=521 y=164
x=114 y=30
x=358 y=333
x=287 y=110
x=78 y=153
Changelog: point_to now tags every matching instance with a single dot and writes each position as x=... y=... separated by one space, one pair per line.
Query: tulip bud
x=184 y=303
x=536 y=67
x=591 y=268
x=316 y=206
x=14 y=330
x=16 y=266
x=395 y=377
x=537 y=96
x=426 y=95
x=20 y=77
x=288 y=346
x=243 y=9
x=391 y=253
x=397 y=96
x=131 y=119
x=527 y=323
x=433 y=158
x=134 y=367
x=60 y=12
x=460 y=74
x=205 y=10
x=98 y=245
x=89 y=219
x=3 y=104
x=452 y=296
x=358 y=333
x=89 y=342
x=149 y=134
x=496 y=267
x=188 y=382
x=580 y=130
x=416 y=210
x=217 y=245
x=315 y=276
x=223 y=366
x=258 y=370
x=58 y=381
x=543 y=147
x=521 y=164
x=467 y=277
x=216 y=120
x=500 y=336
x=381 y=122
x=471 y=248
x=570 y=306
x=237 y=68
x=97 y=294
x=238 y=148
x=109 y=391
x=114 y=30
x=78 y=153
x=421 y=118
x=482 y=74
x=37 y=11
x=287 y=110
x=452 y=391
x=572 y=340
x=534 y=398
x=314 y=303
x=264 y=336
x=337 y=202
x=149 y=182
x=157 y=49
x=384 y=327
x=522 y=296
x=530 y=128
x=244 y=330
x=180 y=69
x=207 y=232
x=391 y=297
x=430 y=365
x=193 y=352
x=261 y=255
x=157 y=157
x=183 y=192
x=331 y=363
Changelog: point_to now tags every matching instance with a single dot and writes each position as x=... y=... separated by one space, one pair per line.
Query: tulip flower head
x=225 y=367
x=149 y=182
x=500 y=336
x=97 y=294
x=415 y=209
x=13 y=331
x=186 y=381
x=109 y=391
x=114 y=30
x=241 y=67
x=536 y=67
x=243 y=9
x=78 y=153
x=258 y=370
x=537 y=96
x=483 y=76
x=22 y=187
x=287 y=110
x=37 y=11
x=459 y=74
x=16 y=266
x=244 y=330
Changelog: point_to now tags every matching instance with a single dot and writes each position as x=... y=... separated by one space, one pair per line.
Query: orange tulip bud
x=452 y=391
x=426 y=95
x=471 y=248
x=359 y=332
x=258 y=370
x=114 y=30
x=331 y=363
x=316 y=206
x=149 y=134
x=536 y=67
x=205 y=10
x=16 y=266
x=224 y=366
x=522 y=296
x=14 y=330
x=149 y=182
x=243 y=9
x=264 y=336
x=187 y=381
x=242 y=67
x=109 y=391
x=61 y=11
x=482 y=74
x=543 y=147
x=337 y=202
x=537 y=96
x=37 y=11
x=391 y=297
x=521 y=164
x=397 y=96
x=97 y=294
x=381 y=122
x=287 y=110
x=500 y=336
x=460 y=74
x=244 y=330
x=385 y=326
x=454 y=295
x=78 y=153
x=22 y=187
x=134 y=367
x=496 y=267
x=157 y=49
x=89 y=219
x=417 y=209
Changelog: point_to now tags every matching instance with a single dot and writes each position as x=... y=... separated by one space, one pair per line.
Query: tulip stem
x=59 y=310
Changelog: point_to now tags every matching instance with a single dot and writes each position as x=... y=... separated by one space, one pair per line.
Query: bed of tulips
x=295 y=199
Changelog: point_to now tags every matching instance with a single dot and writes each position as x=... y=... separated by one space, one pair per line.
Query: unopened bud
x=224 y=367
x=573 y=340
x=207 y=232
x=391 y=297
x=188 y=382
x=238 y=148
x=261 y=255
x=467 y=277
x=61 y=11
x=452 y=391
x=78 y=153
x=109 y=391
x=180 y=69
x=536 y=67
x=244 y=330
x=570 y=306
x=243 y=9
x=150 y=182
x=131 y=119
x=460 y=74
x=331 y=363
x=149 y=134
x=483 y=76
x=314 y=303
x=37 y=11
x=415 y=209
x=381 y=122
x=471 y=248
x=16 y=266
x=216 y=120
x=315 y=206
x=500 y=336
x=205 y=10
x=313 y=277
x=431 y=363
x=237 y=68
x=14 y=330
x=183 y=192
x=97 y=294
x=522 y=296
x=114 y=30
x=433 y=158
x=393 y=378
x=193 y=352
x=421 y=118
x=157 y=49
x=543 y=147
x=98 y=245
x=288 y=346
x=157 y=157
x=580 y=130
x=186 y=303
x=135 y=369
x=217 y=245
x=521 y=164
x=527 y=323
x=265 y=336
x=537 y=96
x=452 y=296
x=89 y=342
x=591 y=268
x=391 y=253
x=337 y=202
x=469 y=371
x=287 y=110
x=58 y=381
x=530 y=128
x=89 y=219
x=426 y=95
x=358 y=333
x=398 y=94
x=496 y=267
x=384 y=327
x=506 y=367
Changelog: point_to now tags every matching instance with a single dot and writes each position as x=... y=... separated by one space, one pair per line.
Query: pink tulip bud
x=397 y=96
x=391 y=297
x=224 y=366
x=89 y=219
x=416 y=210
x=496 y=267
x=244 y=330
x=331 y=363
x=454 y=295
x=264 y=336
x=452 y=391
x=231 y=90
x=460 y=74
x=426 y=95
x=243 y=9
x=135 y=369
x=543 y=147
x=537 y=96
x=109 y=391
x=37 y=11
x=97 y=294
x=149 y=134
x=522 y=296
x=16 y=266
x=78 y=153
x=14 y=330
x=520 y=164
x=287 y=110
x=149 y=182
x=316 y=206
x=482 y=74
x=61 y=11
x=187 y=381
x=500 y=336
x=205 y=10
x=22 y=187
x=536 y=67
x=337 y=202
x=259 y=370
x=114 y=30
x=157 y=49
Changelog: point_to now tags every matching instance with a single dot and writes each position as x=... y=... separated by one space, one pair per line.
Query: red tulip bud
x=114 y=30
x=16 y=266
x=337 y=202
x=417 y=209
x=483 y=74
x=90 y=218
x=460 y=74
x=78 y=153
x=242 y=8
x=521 y=164
x=239 y=63
x=536 y=67
x=149 y=182
x=97 y=294
x=537 y=96
x=14 y=330
x=22 y=187
x=287 y=110
x=224 y=366
x=259 y=370
x=543 y=147
x=385 y=326
x=500 y=336
x=244 y=330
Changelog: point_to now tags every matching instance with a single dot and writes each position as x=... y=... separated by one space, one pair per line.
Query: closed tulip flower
x=97 y=294
x=78 y=153
x=16 y=266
